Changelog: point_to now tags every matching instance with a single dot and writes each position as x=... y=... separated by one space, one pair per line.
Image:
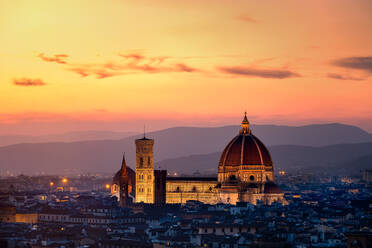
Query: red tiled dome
x=245 y=149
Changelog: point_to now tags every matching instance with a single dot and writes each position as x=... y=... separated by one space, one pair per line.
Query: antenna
x=144 y=131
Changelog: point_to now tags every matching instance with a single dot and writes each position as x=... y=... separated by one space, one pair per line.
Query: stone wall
x=180 y=191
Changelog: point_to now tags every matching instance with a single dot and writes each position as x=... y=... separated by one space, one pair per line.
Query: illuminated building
x=145 y=170
x=245 y=174
x=246 y=171
x=123 y=186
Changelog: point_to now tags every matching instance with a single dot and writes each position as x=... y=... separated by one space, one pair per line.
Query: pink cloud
x=28 y=82
x=58 y=58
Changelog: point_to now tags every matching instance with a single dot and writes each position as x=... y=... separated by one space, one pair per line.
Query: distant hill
x=311 y=135
x=6 y=140
x=338 y=158
x=105 y=155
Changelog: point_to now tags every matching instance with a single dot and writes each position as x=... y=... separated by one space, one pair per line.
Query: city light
x=107 y=186
x=64 y=180
x=51 y=184
x=282 y=172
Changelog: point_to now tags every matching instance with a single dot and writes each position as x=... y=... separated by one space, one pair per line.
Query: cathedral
x=245 y=174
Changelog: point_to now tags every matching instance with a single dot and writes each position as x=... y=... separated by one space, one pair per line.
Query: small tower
x=144 y=170
x=124 y=184
x=245 y=126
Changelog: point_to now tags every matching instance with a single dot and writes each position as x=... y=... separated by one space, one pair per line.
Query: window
x=149 y=161
x=149 y=177
x=251 y=178
x=194 y=189
x=232 y=177
x=141 y=162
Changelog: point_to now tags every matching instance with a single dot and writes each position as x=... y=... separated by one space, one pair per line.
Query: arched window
x=251 y=178
x=194 y=189
x=141 y=162
x=149 y=161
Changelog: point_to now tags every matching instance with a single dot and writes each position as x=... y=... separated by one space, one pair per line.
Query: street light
x=107 y=186
x=64 y=180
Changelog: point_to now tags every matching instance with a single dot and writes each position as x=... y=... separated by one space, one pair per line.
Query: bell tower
x=145 y=170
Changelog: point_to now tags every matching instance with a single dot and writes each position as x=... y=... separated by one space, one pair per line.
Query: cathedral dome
x=245 y=149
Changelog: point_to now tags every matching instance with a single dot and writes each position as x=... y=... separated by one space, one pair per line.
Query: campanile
x=145 y=170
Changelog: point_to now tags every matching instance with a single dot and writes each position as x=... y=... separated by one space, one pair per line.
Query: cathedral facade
x=245 y=174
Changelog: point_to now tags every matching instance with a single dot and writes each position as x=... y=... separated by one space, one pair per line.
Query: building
x=145 y=170
x=245 y=174
x=246 y=171
x=124 y=184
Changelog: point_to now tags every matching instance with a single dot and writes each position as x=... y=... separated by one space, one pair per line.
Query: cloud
x=81 y=71
x=132 y=63
x=343 y=77
x=259 y=72
x=28 y=82
x=58 y=58
x=246 y=18
x=135 y=56
x=185 y=68
x=98 y=71
x=357 y=63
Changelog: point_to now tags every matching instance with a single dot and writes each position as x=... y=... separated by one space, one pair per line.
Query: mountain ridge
x=105 y=155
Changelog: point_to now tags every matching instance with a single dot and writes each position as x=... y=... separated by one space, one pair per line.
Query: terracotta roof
x=131 y=176
x=245 y=149
x=272 y=188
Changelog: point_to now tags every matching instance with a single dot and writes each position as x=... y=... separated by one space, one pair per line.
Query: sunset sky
x=116 y=64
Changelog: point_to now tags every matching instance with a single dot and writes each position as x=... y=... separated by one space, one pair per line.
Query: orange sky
x=114 y=64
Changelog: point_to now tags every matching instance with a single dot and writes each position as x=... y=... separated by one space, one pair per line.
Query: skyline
x=118 y=65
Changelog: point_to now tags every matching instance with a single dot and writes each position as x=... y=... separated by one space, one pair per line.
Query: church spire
x=245 y=126
x=124 y=184
x=123 y=170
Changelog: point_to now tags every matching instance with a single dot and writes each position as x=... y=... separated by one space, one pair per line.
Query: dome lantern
x=245 y=126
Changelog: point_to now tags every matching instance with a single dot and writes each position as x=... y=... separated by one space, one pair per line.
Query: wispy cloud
x=28 y=82
x=185 y=68
x=57 y=58
x=356 y=63
x=246 y=18
x=343 y=77
x=258 y=72
x=131 y=63
x=136 y=56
